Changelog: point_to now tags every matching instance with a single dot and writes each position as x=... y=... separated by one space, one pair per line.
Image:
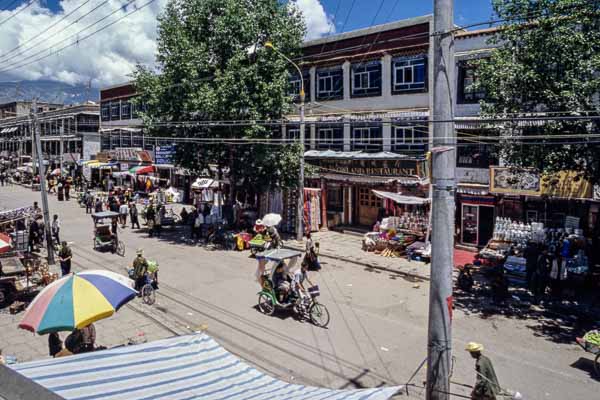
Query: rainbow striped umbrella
x=76 y=301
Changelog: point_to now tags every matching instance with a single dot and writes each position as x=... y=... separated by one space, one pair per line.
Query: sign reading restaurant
x=391 y=168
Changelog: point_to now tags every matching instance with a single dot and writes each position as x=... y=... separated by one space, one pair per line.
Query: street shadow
x=586 y=365
x=282 y=314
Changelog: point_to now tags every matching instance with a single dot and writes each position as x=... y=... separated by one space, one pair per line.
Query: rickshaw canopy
x=275 y=257
x=105 y=214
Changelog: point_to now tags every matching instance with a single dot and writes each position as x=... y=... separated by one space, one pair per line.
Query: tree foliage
x=548 y=60
x=212 y=66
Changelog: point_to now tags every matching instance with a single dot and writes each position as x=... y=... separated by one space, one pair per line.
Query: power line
x=16 y=12
x=37 y=35
x=83 y=38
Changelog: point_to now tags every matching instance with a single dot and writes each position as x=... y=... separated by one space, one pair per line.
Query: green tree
x=212 y=66
x=548 y=60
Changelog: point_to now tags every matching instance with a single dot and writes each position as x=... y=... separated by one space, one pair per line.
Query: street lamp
x=300 y=210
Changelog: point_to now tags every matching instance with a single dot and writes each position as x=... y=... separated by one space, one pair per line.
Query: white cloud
x=107 y=57
x=318 y=23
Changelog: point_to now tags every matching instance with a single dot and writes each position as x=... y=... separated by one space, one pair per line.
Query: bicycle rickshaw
x=305 y=305
x=148 y=291
x=103 y=236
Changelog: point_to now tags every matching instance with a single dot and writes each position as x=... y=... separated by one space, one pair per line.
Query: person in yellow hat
x=486 y=384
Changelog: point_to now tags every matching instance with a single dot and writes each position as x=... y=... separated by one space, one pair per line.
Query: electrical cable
x=19 y=11
x=83 y=38
x=38 y=34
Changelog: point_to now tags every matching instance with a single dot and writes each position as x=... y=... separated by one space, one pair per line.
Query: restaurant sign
x=386 y=168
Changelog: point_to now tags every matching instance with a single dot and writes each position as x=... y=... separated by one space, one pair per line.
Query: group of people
x=81 y=340
x=4 y=177
x=546 y=267
x=60 y=185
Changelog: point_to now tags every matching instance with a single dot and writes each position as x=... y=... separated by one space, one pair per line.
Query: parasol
x=76 y=301
x=271 y=219
x=142 y=169
x=5 y=243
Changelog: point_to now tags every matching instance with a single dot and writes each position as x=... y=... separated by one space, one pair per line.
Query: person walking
x=89 y=202
x=197 y=227
x=540 y=278
x=56 y=228
x=150 y=216
x=67 y=186
x=133 y=213
x=98 y=206
x=486 y=383
x=123 y=211
x=140 y=268
x=558 y=274
x=65 y=255
x=158 y=220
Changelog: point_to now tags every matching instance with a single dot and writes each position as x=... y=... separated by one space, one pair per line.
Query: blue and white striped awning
x=182 y=367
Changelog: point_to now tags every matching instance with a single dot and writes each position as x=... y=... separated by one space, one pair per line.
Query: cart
x=20 y=280
x=593 y=349
x=104 y=238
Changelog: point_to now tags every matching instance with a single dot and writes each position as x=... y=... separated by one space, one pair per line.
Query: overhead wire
x=82 y=38
x=19 y=11
x=40 y=33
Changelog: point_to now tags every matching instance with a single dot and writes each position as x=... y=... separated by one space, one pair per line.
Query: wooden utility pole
x=439 y=343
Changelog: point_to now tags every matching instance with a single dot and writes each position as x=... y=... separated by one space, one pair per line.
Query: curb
x=363 y=264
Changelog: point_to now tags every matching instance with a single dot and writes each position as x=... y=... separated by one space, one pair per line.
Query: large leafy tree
x=212 y=66
x=548 y=60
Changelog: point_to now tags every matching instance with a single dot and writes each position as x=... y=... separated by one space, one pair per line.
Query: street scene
x=303 y=199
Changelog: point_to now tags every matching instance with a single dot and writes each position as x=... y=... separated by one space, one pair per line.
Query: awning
x=400 y=199
x=373 y=180
x=190 y=367
x=142 y=169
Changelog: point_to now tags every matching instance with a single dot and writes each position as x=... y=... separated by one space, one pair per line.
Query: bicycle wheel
x=265 y=304
x=148 y=294
x=319 y=315
x=121 y=248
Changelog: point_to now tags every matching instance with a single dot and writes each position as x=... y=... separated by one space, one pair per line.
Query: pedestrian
x=88 y=338
x=56 y=228
x=197 y=228
x=133 y=213
x=158 y=220
x=65 y=255
x=37 y=211
x=311 y=259
x=67 y=186
x=34 y=231
x=114 y=226
x=2 y=177
x=540 y=277
x=486 y=383
x=150 y=215
x=531 y=255
x=140 y=268
x=123 y=211
x=89 y=202
x=98 y=206
x=558 y=274
x=55 y=345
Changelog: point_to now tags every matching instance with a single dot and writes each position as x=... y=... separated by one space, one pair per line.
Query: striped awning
x=183 y=367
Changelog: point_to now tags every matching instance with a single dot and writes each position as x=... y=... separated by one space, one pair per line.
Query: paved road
x=377 y=334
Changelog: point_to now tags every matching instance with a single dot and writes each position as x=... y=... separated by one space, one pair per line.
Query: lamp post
x=300 y=206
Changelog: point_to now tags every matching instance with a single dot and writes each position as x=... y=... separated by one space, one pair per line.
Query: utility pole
x=40 y=160
x=439 y=341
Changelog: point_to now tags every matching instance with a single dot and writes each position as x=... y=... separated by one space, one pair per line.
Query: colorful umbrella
x=5 y=243
x=76 y=301
x=271 y=219
x=142 y=169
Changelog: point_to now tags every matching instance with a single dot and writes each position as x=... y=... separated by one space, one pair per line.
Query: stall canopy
x=400 y=199
x=205 y=183
x=183 y=367
x=142 y=169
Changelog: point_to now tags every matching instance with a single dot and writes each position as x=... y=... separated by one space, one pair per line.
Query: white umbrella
x=271 y=219
x=5 y=243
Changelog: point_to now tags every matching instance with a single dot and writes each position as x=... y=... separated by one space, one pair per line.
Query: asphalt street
x=378 y=329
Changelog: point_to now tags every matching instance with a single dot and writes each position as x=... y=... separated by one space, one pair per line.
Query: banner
x=529 y=182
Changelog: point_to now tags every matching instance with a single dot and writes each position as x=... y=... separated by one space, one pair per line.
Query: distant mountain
x=47 y=91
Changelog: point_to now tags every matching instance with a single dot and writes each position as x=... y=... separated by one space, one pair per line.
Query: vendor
x=259 y=227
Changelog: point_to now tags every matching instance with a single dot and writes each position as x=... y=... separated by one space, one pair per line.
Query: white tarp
x=182 y=367
x=400 y=199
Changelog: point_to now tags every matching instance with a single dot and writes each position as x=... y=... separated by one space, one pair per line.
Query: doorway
x=477 y=225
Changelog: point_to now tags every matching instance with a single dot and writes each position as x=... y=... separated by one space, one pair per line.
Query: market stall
x=403 y=230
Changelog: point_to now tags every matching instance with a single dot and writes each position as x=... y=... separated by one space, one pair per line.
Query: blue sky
x=363 y=12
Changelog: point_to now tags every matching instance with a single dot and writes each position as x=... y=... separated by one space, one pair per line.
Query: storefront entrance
x=477 y=225
x=368 y=206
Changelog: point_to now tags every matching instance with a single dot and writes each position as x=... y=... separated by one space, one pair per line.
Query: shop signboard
x=385 y=168
x=164 y=154
x=518 y=181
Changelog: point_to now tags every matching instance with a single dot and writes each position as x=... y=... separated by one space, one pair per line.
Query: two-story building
x=367 y=105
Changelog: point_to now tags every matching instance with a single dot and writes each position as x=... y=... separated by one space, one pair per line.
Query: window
x=408 y=74
x=126 y=110
x=295 y=86
x=115 y=111
x=366 y=79
x=330 y=138
x=293 y=132
x=115 y=140
x=105 y=144
x=335 y=198
x=409 y=138
x=105 y=111
x=467 y=78
x=126 y=139
x=367 y=198
x=330 y=84
x=367 y=138
x=473 y=155
x=137 y=141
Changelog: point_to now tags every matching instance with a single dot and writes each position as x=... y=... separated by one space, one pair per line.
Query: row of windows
x=408 y=76
x=119 y=110
x=366 y=138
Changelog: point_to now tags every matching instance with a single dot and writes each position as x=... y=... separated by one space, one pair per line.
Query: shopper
x=98 y=206
x=56 y=228
x=133 y=213
x=89 y=202
x=123 y=211
x=65 y=255
x=541 y=275
x=558 y=274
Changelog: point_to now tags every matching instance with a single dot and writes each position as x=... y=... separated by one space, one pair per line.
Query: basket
x=314 y=291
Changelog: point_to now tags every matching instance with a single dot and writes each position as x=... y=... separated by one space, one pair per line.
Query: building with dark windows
x=74 y=127
x=367 y=105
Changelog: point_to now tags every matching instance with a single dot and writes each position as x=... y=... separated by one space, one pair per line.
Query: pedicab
x=103 y=236
x=148 y=291
x=590 y=342
x=305 y=305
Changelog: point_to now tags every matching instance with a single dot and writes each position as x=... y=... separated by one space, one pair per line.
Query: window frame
x=105 y=107
x=125 y=105
x=410 y=64
x=373 y=142
x=474 y=96
x=329 y=75
x=294 y=81
x=373 y=72
x=335 y=141
x=113 y=107
x=418 y=140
